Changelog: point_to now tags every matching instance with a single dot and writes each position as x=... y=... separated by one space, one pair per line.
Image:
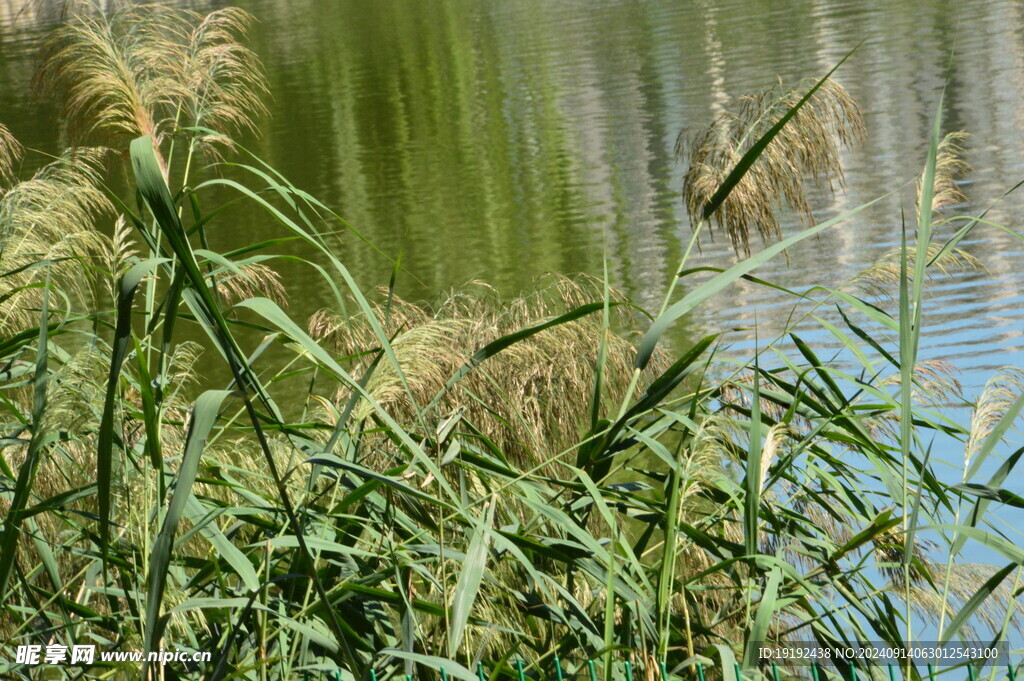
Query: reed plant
x=480 y=480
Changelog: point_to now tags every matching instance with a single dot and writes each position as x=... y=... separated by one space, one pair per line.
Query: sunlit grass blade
x=204 y=416
x=763 y=619
x=468 y=586
x=122 y=332
x=719 y=282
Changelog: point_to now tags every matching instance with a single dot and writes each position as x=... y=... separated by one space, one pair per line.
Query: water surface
x=502 y=140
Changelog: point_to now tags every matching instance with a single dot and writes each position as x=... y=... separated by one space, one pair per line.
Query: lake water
x=502 y=140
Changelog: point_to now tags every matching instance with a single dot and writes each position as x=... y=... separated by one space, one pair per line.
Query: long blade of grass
x=987 y=492
x=981 y=507
x=468 y=586
x=203 y=417
x=600 y=363
x=975 y=601
x=753 y=480
x=972 y=222
x=765 y=613
x=499 y=344
x=122 y=331
x=719 y=282
x=432 y=661
x=203 y=522
x=910 y=332
x=993 y=541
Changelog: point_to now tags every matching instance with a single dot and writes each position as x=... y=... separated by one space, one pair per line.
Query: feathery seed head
x=808 y=145
x=49 y=218
x=949 y=165
x=532 y=398
x=881 y=279
x=150 y=70
x=10 y=152
x=998 y=395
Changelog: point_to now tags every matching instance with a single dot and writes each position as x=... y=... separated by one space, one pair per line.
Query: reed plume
x=10 y=152
x=151 y=70
x=48 y=220
x=532 y=399
x=808 y=145
x=949 y=165
x=881 y=279
x=995 y=400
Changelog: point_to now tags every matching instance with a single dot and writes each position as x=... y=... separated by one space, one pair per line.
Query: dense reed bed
x=474 y=480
